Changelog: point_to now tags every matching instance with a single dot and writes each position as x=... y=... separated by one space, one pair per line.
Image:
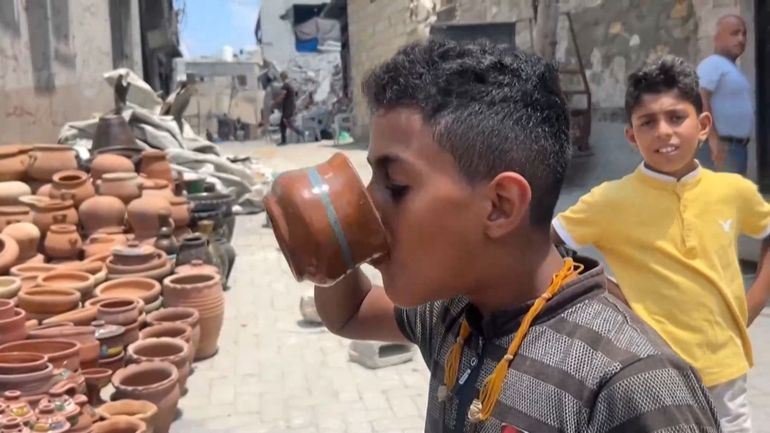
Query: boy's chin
x=402 y=296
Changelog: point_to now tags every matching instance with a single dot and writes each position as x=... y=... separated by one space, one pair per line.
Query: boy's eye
x=397 y=192
x=646 y=123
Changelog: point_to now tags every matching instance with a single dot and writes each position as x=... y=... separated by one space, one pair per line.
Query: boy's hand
x=718 y=152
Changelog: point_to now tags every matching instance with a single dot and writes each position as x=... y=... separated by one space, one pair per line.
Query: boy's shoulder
x=732 y=184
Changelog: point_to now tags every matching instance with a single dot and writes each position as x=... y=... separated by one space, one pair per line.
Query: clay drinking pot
x=9 y=288
x=13 y=163
x=12 y=328
x=72 y=184
x=141 y=410
x=112 y=130
x=9 y=253
x=49 y=159
x=61 y=353
x=183 y=315
x=102 y=212
x=166 y=349
x=80 y=281
x=44 y=302
x=324 y=220
x=154 y=381
x=120 y=311
x=62 y=242
x=121 y=424
x=203 y=292
x=154 y=165
x=109 y=163
x=14 y=214
x=27 y=237
x=125 y=186
x=146 y=215
x=11 y=190
x=47 y=213
x=180 y=211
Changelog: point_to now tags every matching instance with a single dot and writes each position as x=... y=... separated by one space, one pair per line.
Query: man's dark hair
x=493 y=109
x=665 y=74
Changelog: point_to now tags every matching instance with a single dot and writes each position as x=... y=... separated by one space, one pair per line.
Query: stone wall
x=52 y=57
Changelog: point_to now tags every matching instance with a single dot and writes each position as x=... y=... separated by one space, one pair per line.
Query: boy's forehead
x=652 y=103
x=398 y=135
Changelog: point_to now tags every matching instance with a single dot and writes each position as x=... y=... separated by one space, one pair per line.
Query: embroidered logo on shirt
x=511 y=429
x=726 y=225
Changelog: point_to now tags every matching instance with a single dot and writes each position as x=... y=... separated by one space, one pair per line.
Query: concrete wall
x=278 y=35
x=52 y=56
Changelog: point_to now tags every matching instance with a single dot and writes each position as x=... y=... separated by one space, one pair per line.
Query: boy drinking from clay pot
x=669 y=232
x=469 y=147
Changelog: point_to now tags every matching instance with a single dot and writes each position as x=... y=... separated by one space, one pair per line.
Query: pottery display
x=142 y=410
x=13 y=164
x=109 y=163
x=14 y=214
x=121 y=424
x=63 y=404
x=154 y=165
x=119 y=311
x=157 y=188
x=9 y=288
x=153 y=381
x=61 y=353
x=62 y=242
x=18 y=407
x=180 y=211
x=11 y=190
x=44 y=302
x=125 y=186
x=96 y=379
x=144 y=289
x=183 y=315
x=48 y=159
x=85 y=335
x=166 y=349
x=50 y=212
x=72 y=184
x=112 y=131
x=203 y=292
x=193 y=247
x=27 y=237
x=12 y=328
x=101 y=212
x=324 y=220
x=48 y=421
x=79 y=281
x=146 y=215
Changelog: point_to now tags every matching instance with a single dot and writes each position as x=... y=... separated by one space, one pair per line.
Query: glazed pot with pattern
x=120 y=311
x=12 y=328
x=146 y=215
x=155 y=165
x=14 y=214
x=126 y=186
x=183 y=315
x=72 y=184
x=62 y=242
x=48 y=159
x=27 y=237
x=110 y=163
x=11 y=190
x=43 y=302
x=17 y=407
x=61 y=353
x=121 y=424
x=101 y=212
x=141 y=410
x=85 y=335
x=50 y=212
x=154 y=381
x=9 y=288
x=64 y=278
x=48 y=421
x=171 y=350
x=13 y=163
x=144 y=289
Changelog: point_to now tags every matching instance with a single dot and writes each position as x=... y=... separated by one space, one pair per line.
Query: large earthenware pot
x=140 y=288
x=27 y=237
x=125 y=186
x=183 y=315
x=141 y=410
x=324 y=220
x=154 y=165
x=101 y=212
x=166 y=349
x=14 y=214
x=146 y=215
x=12 y=328
x=61 y=353
x=11 y=190
x=9 y=253
x=44 y=302
x=72 y=183
x=154 y=381
x=109 y=163
x=9 y=288
x=202 y=292
x=85 y=335
x=112 y=130
x=47 y=213
x=121 y=424
x=48 y=159
x=13 y=163
x=62 y=242
x=70 y=278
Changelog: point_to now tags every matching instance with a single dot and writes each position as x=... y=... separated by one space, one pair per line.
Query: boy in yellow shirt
x=669 y=232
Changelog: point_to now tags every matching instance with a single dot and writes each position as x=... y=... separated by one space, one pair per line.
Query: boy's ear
x=509 y=195
x=631 y=137
x=705 y=121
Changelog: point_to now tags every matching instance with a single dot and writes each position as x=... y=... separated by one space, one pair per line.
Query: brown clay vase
x=85 y=335
x=9 y=253
x=120 y=424
x=324 y=220
x=72 y=183
x=203 y=292
x=96 y=379
x=53 y=211
x=170 y=350
x=14 y=214
x=80 y=281
x=120 y=311
x=183 y=315
x=155 y=165
x=108 y=163
x=141 y=410
x=13 y=164
x=61 y=353
x=12 y=328
x=125 y=186
x=27 y=237
x=62 y=242
x=44 y=302
x=145 y=289
x=154 y=381
x=11 y=190
x=102 y=212
x=146 y=215
x=180 y=211
x=48 y=159
x=112 y=130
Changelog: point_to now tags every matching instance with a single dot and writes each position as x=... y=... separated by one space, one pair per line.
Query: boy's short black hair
x=665 y=74
x=494 y=110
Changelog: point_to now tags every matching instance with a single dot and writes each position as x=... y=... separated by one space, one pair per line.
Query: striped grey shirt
x=588 y=364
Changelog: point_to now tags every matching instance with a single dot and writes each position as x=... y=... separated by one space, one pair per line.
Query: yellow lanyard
x=482 y=407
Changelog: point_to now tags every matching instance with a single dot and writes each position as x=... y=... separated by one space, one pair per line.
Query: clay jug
x=46 y=214
x=13 y=163
x=11 y=190
x=112 y=130
x=154 y=165
x=157 y=188
x=9 y=253
x=180 y=211
x=75 y=183
x=124 y=185
x=63 y=242
x=146 y=215
x=14 y=214
x=27 y=237
x=48 y=159
x=166 y=349
x=154 y=381
x=102 y=212
x=108 y=163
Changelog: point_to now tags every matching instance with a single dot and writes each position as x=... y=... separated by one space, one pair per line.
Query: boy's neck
x=678 y=174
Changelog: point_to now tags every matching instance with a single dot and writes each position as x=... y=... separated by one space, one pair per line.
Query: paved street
x=275 y=374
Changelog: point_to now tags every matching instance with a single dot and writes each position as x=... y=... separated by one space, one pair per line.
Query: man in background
x=287 y=101
x=728 y=96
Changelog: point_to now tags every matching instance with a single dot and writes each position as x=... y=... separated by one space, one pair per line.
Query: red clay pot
x=63 y=242
x=85 y=335
x=13 y=328
x=141 y=410
x=72 y=183
x=170 y=350
x=45 y=302
x=101 y=212
x=109 y=163
x=119 y=311
x=154 y=381
x=155 y=165
x=49 y=159
x=61 y=353
x=185 y=316
x=139 y=288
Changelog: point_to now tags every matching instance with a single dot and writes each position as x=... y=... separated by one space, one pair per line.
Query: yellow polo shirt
x=673 y=248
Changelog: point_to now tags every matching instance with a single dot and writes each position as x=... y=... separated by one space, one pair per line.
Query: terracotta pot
x=22 y=363
x=171 y=330
x=96 y=379
x=48 y=421
x=154 y=165
x=44 y=190
x=7 y=306
x=63 y=404
x=324 y=220
x=153 y=381
x=63 y=242
x=12 y=424
x=157 y=188
x=193 y=247
x=111 y=338
x=14 y=214
x=45 y=302
x=141 y=410
x=79 y=317
x=11 y=190
x=97 y=270
x=180 y=211
x=101 y=212
x=203 y=292
x=158 y=260
x=158 y=269
x=47 y=160
x=140 y=288
x=192 y=286
x=147 y=215
x=119 y=311
x=170 y=350
x=32 y=269
x=72 y=183
x=9 y=288
x=154 y=305
x=13 y=328
x=133 y=255
x=13 y=164
x=61 y=353
x=85 y=335
x=125 y=186
x=120 y=424
x=102 y=244
x=86 y=415
x=195 y=267
x=18 y=407
x=81 y=282
x=113 y=363
x=46 y=214
x=112 y=130
x=109 y=163
x=27 y=237
x=183 y=315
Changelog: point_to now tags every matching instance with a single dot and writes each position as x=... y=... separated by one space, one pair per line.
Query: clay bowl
x=85 y=335
x=48 y=300
x=32 y=269
x=324 y=221
x=82 y=282
x=79 y=317
x=22 y=362
x=140 y=288
x=171 y=330
x=9 y=287
x=6 y=309
x=133 y=254
x=142 y=410
x=28 y=387
x=119 y=311
x=60 y=353
x=13 y=328
x=101 y=258
x=120 y=424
